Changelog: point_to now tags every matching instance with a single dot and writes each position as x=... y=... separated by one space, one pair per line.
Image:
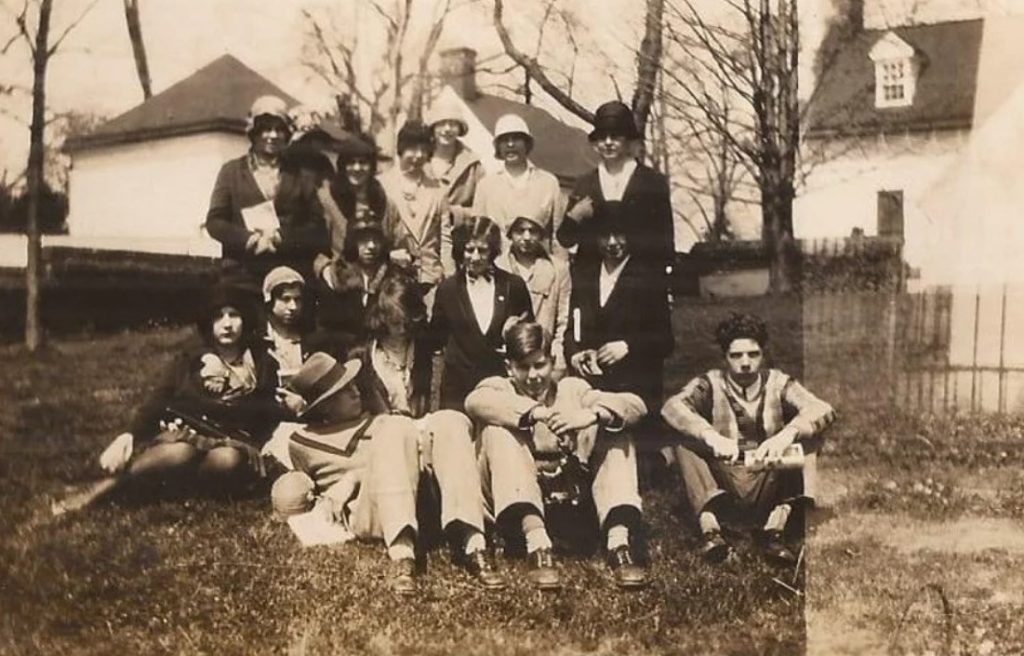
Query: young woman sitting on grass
x=206 y=419
x=394 y=379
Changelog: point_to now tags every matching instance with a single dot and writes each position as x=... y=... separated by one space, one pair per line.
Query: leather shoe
x=775 y=549
x=628 y=575
x=715 y=549
x=542 y=570
x=402 y=576
x=481 y=565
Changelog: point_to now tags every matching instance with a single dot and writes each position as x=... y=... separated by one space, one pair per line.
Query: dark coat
x=181 y=387
x=637 y=312
x=341 y=310
x=647 y=206
x=303 y=230
x=469 y=355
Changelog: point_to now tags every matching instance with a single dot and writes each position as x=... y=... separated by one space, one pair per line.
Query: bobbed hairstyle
x=412 y=134
x=221 y=296
x=477 y=228
x=741 y=326
x=524 y=338
x=399 y=300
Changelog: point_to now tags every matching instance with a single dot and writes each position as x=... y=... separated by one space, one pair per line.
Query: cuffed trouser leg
x=453 y=455
x=386 y=504
x=510 y=470
x=615 y=480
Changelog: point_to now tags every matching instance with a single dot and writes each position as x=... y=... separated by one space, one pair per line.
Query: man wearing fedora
x=519 y=188
x=365 y=468
x=643 y=192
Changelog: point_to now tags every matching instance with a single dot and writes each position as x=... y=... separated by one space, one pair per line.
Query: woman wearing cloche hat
x=455 y=166
x=259 y=209
x=644 y=193
x=519 y=188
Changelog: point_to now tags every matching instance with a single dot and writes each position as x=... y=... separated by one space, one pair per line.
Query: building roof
x=559 y=148
x=214 y=98
x=844 y=102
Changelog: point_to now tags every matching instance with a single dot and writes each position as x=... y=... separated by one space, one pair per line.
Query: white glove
x=118 y=453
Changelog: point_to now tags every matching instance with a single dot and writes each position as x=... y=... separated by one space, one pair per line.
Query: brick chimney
x=458 y=69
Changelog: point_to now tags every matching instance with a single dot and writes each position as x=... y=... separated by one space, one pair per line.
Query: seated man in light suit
x=365 y=468
x=527 y=418
x=746 y=407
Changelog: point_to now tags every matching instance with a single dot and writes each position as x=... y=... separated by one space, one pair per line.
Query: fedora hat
x=320 y=377
x=614 y=118
x=359 y=145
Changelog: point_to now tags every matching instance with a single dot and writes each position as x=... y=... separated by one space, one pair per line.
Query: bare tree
x=37 y=38
x=749 y=59
x=648 y=64
x=397 y=85
x=134 y=23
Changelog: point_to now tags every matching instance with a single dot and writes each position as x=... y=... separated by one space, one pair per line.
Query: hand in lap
x=118 y=453
x=566 y=421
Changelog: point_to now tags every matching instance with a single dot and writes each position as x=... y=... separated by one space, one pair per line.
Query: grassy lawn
x=922 y=550
x=925 y=551
x=202 y=576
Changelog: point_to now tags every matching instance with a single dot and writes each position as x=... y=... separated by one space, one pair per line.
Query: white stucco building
x=142 y=181
x=890 y=116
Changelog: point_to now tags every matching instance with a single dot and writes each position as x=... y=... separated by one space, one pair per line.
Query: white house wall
x=137 y=196
x=841 y=192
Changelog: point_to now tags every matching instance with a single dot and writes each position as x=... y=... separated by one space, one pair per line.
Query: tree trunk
x=131 y=15
x=777 y=234
x=648 y=64
x=34 y=336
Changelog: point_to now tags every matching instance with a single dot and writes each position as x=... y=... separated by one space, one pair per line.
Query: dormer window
x=894 y=81
x=896 y=69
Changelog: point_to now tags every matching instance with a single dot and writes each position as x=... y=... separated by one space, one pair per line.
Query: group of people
x=473 y=329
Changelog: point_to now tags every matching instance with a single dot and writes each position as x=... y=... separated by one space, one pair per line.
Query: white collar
x=613 y=185
x=617 y=271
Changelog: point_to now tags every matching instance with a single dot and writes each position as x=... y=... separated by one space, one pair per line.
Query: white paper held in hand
x=261 y=218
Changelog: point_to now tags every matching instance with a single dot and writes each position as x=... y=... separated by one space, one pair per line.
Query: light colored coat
x=419 y=234
x=497 y=402
x=550 y=286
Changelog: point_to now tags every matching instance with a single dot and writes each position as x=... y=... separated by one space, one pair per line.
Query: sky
x=94 y=71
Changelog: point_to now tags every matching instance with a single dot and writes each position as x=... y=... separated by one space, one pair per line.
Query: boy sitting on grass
x=528 y=420
x=745 y=406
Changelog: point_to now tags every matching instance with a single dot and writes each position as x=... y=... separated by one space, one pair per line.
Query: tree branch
x=533 y=68
x=72 y=25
